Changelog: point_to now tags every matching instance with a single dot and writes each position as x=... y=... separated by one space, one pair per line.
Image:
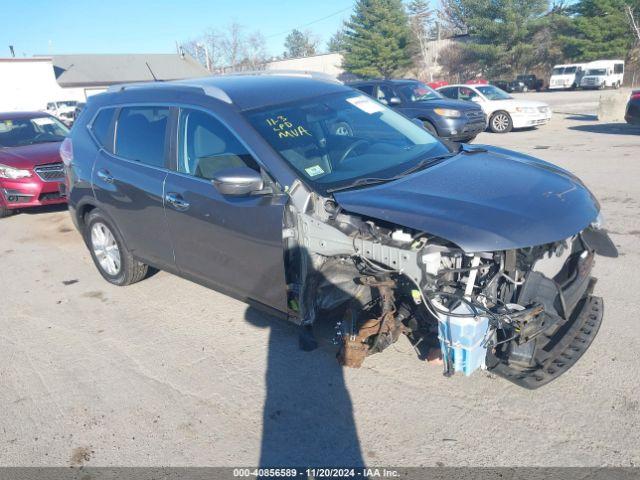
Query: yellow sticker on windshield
x=286 y=129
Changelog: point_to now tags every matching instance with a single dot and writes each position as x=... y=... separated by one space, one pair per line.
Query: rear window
x=101 y=128
x=140 y=134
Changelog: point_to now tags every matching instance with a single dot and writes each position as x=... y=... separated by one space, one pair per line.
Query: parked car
x=63 y=111
x=565 y=77
x=437 y=84
x=477 y=81
x=603 y=74
x=503 y=111
x=30 y=167
x=450 y=119
x=632 y=113
x=530 y=82
x=242 y=184
x=509 y=86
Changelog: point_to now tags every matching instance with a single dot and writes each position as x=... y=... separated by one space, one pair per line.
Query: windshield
x=68 y=103
x=493 y=93
x=597 y=71
x=570 y=70
x=417 y=92
x=334 y=140
x=557 y=71
x=29 y=131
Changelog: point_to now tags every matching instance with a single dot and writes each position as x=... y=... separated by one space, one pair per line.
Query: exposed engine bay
x=526 y=314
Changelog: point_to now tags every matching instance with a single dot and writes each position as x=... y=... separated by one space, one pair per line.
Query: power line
x=310 y=23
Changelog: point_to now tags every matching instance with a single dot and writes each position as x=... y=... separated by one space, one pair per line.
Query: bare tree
x=232 y=45
x=420 y=20
x=635 y=23
x=228 y=50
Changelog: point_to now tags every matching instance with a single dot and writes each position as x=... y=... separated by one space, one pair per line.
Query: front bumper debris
x=559 y=352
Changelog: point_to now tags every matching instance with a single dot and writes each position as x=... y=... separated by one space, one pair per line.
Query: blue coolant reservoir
x=462 y=338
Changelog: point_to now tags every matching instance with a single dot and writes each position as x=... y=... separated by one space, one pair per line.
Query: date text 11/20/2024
x=315 y=472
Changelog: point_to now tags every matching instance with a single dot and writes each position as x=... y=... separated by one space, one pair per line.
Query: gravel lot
x=166 y=372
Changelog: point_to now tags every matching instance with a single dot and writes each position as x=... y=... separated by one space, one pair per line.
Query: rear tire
x=5 y=212
x=501 y=122
x=112 y=258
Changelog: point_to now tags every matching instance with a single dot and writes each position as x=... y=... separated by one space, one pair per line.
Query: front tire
x=5 y=212
x=110 y=255
x=501 y=122
x=430 y=128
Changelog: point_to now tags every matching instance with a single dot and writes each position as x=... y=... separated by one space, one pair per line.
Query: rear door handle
x=105 y=176
x=176 y=201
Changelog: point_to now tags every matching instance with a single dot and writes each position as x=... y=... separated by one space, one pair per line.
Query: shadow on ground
x=61 y=207
x=609 y=128
x=308 y=415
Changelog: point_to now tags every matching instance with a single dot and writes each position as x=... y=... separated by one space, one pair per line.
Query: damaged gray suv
x=310 y=200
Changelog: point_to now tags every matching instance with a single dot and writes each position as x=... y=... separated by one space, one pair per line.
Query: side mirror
x=395 y=101
x=239 y=181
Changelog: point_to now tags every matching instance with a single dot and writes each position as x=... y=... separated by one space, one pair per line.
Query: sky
x=47 y=27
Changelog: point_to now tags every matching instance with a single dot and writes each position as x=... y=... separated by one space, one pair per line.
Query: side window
x=50 y=106
x=140 y=134
x=206 y=146
x=101 y=128
x=368 y=89
x=619 y=68
x=466 y=93
x=385 y=92
x=449 y=92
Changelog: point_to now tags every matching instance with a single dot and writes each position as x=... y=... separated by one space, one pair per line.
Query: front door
x=233 y=244
x=129 y=183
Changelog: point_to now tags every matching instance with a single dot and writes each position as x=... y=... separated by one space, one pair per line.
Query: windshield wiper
x=425 y=162
x=361 y=182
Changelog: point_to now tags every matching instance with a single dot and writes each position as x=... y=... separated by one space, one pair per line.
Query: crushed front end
x=526 y=314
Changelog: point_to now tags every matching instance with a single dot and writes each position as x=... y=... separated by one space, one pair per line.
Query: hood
x=494 y=200
x=29 y=156
x=446 y=103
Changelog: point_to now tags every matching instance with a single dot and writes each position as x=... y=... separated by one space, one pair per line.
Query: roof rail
x=291 y=73
x=209 y=90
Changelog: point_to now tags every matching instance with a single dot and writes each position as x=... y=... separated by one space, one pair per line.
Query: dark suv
x=450 y=119
x=312 y=200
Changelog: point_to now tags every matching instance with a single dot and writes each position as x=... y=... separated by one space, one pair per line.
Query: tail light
x=66 y=151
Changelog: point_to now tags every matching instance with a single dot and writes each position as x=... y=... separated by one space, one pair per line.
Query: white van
x=603 y=74
x=566 y=76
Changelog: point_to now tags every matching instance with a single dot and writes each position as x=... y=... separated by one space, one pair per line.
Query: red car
x=30 y=167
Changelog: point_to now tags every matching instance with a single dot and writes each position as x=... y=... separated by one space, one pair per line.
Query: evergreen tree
x=501 y=32
x=600 y=29
x=336 y=42
x=378 y=39
x=300 y=44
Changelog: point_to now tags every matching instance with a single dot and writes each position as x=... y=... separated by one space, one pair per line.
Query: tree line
x=384 y=38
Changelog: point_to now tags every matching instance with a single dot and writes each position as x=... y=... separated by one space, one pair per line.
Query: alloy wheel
x=500 y=122
x=105 y=248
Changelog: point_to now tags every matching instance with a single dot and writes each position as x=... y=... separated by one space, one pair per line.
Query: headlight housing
x=525 y=110
x=448 y=112
x=13 y=173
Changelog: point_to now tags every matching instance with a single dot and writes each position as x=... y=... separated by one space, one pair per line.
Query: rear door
x=233 y=244
x=129 y=181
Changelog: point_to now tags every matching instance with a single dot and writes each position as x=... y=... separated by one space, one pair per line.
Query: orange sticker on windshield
x=285 y=129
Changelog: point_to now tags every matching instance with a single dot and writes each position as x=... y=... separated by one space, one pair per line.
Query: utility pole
x=207 y=57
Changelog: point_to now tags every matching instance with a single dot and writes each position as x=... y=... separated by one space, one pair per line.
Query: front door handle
x=105 y=176
x=176 y=201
